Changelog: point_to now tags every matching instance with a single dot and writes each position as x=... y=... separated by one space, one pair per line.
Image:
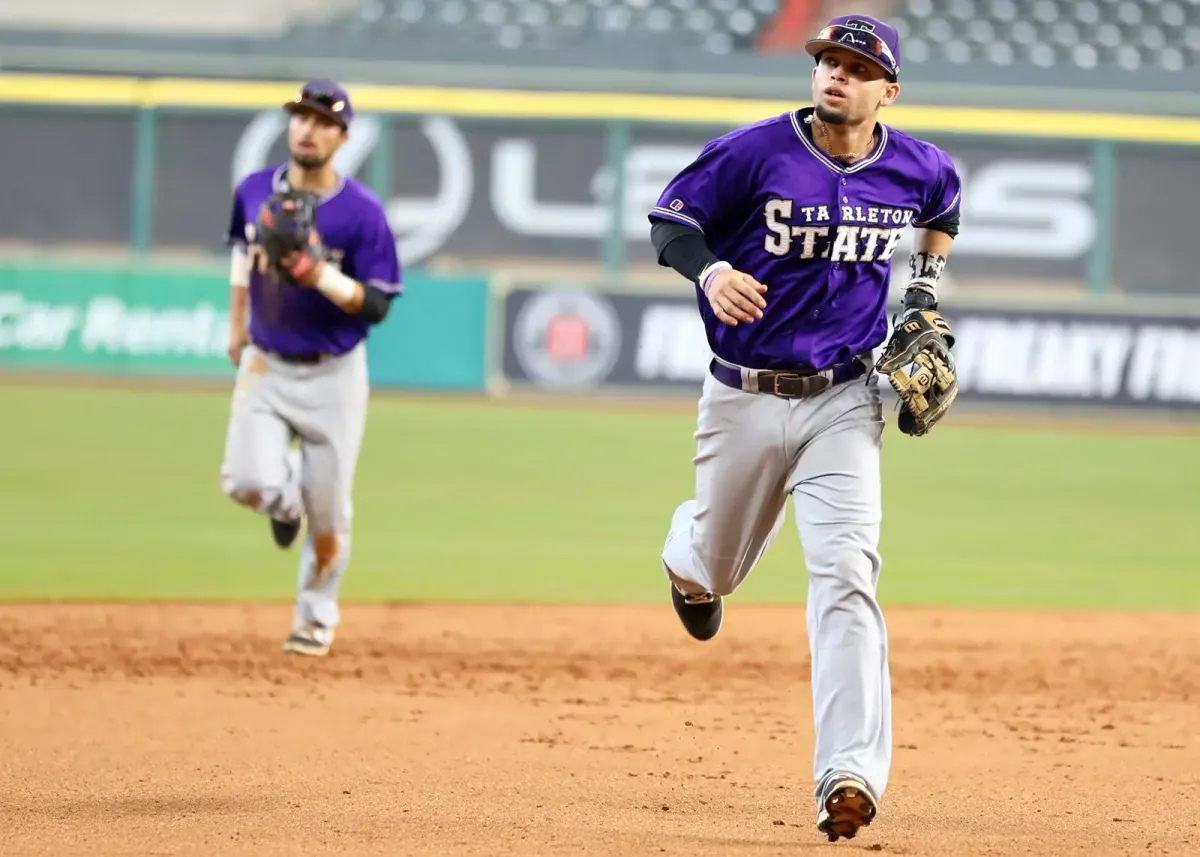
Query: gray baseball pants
x=324 y=407
x=753 y=451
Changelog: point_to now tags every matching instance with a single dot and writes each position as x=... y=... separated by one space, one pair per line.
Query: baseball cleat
x=701 y=615
x=309 y=638
x=845 y=805
x=284 y=532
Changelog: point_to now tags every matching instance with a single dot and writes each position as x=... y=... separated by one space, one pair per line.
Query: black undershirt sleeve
x=947 y=223
x=375 y=305
x=681 y=248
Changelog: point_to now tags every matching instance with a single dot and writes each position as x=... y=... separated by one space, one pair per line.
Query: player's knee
x=250 y=499
x=244 y=489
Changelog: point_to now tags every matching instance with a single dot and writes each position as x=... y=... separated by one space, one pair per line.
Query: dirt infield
x=560 y=730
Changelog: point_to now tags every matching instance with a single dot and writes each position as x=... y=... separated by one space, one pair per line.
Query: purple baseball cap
x=875 y=40
x=325 y=97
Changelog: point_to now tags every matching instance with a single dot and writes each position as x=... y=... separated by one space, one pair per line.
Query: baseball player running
x=315 y=264
x=788 y=227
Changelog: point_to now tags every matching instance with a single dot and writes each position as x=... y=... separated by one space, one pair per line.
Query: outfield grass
x=115 y=494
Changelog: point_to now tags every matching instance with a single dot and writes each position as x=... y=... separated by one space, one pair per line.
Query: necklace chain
x=854 y=156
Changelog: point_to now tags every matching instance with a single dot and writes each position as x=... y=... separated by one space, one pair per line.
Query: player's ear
x=890 y=93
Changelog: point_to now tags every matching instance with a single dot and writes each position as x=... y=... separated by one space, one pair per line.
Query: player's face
x=848 y=88
x=313 y=138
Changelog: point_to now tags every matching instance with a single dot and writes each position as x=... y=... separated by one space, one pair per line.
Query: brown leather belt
x=788 y=384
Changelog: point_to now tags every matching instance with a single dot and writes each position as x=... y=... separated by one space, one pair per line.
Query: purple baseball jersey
x=354 y=230
x=819 y=234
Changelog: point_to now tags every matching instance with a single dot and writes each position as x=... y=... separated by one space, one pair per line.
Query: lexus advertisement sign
x=570 y=340
x=475 y=191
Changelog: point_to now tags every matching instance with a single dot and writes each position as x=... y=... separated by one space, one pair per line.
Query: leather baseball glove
x=918 y=363
x=286 y=225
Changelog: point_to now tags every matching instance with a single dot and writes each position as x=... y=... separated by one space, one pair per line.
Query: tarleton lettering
x=813 y=236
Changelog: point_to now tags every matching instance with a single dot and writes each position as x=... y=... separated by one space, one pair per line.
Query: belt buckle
x=307 y=358
x=810 y=385
x=777 y=377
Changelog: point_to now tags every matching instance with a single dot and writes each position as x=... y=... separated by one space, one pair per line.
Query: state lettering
x=779 y=233
x=846 y=242
x=808 y=236
x=845 y=246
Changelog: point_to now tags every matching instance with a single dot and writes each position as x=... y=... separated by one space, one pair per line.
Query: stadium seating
x=1129 y=35
x=716 y=26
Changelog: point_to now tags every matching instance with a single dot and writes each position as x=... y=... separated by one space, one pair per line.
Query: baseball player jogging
x=315 y=264
x=788 y=227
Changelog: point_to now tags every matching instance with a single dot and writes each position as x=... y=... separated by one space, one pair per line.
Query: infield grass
x=114 y=494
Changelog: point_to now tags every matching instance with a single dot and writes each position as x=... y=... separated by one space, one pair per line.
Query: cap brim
x=312 y=106
x=815 y=46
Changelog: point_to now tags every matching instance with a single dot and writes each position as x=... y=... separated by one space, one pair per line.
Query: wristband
x=925 y=269
x=336 y=286
x=707 y=274
x=239 y=267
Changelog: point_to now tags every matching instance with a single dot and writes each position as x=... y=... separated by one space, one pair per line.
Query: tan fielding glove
x=918 y=363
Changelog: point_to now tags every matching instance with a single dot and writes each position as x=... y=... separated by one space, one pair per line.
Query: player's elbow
x=375 y=305
x=663 y=232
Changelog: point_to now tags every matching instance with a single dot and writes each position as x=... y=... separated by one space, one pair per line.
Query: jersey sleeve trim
x=949 y=208
x=385 y=287
x=667 y=214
